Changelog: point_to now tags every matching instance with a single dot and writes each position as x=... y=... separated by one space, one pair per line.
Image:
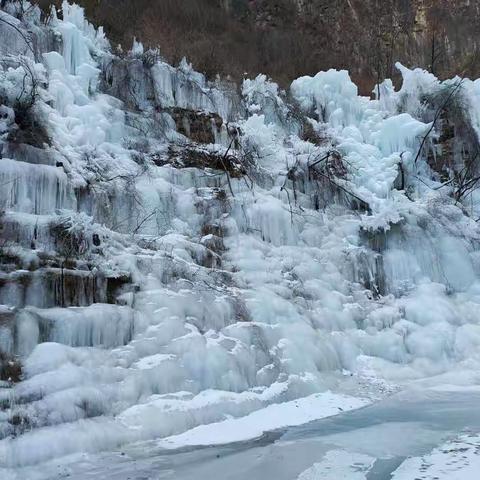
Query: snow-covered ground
x=185 y=264
x=457 y=459
x=268 y=419
x=409 y=435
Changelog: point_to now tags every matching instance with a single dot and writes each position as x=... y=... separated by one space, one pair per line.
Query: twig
x=225 y=167
x=435 y=118
x=27 y=40
x=326 y=157
x=148 y=217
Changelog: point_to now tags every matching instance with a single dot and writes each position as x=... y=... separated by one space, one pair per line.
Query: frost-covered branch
x=465 y=182
x=437 y=115
x=28 y=41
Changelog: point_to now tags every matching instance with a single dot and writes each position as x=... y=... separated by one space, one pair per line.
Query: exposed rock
x=192 y=157
x=10 y=368
x=200 y=127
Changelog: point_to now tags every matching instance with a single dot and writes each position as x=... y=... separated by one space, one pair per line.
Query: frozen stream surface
x=431 y=434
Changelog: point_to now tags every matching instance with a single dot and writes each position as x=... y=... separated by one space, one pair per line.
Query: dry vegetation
x=289 y=38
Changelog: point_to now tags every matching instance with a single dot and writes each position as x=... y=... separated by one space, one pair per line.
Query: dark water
x=408 y=424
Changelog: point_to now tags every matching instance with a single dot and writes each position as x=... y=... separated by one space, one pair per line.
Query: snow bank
x=276 y=416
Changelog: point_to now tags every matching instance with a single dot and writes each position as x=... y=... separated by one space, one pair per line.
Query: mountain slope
x=289 y=38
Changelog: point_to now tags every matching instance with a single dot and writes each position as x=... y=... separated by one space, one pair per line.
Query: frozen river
x=369 y=443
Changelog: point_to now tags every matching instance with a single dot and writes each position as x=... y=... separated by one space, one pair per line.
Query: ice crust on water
x=457 y=459
x=340 y=464
x=302 y=288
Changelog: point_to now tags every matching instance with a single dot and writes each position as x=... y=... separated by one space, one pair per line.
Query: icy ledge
x=273 y=417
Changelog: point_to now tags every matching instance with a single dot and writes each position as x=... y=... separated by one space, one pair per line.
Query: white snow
x=152 y=361
x=276 y=416
x=339 y=465
x=458 y=459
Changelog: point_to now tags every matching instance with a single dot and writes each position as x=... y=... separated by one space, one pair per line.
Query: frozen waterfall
x=177 y=251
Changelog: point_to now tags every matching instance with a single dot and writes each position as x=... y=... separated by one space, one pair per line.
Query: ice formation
x=176 y=252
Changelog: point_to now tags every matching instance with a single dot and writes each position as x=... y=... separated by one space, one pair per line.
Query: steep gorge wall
x=290 y=38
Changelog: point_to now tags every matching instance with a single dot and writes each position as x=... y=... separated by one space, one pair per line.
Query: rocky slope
x=289 y=38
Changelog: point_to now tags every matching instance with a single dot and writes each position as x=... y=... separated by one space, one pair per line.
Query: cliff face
x=178 y=252
x=289 y=38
